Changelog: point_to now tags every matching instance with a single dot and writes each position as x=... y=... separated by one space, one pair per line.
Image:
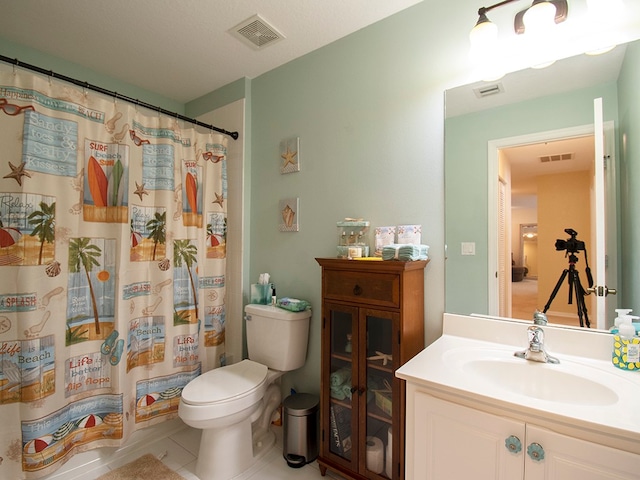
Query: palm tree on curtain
x=157 y=230
x=185 y=251
x=45 y=225
x=83 y=254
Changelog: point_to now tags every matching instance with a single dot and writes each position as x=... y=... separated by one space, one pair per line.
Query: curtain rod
x=95 y=88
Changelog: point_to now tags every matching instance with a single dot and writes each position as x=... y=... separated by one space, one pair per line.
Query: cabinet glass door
x=379 y=335
x=343 y=341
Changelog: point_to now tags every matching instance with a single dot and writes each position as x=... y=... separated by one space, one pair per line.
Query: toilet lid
x=225 y=383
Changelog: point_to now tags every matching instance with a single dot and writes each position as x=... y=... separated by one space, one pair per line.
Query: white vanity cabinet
x=446 y=440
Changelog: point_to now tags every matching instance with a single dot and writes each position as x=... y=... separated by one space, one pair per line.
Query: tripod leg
x=582 y=306
x=555 y=290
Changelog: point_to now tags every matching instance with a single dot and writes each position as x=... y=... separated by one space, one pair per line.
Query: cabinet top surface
x=371 y=265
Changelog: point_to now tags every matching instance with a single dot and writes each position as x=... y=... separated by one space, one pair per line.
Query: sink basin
x=567 y=382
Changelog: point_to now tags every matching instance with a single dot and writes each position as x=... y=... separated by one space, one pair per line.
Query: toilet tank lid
x=275 y=312
x=226 y=383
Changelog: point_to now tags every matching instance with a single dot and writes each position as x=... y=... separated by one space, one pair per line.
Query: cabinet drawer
x=371 y=288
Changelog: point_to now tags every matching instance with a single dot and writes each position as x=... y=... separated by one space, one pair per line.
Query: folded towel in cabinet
x=405 y=252
x=340 y=377
x=338 y=392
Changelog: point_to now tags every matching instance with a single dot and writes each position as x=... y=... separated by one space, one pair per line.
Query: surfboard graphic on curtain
x=191 y=193
x=106 y=167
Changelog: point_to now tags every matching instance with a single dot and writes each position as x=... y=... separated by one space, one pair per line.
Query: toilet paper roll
x=375 y=454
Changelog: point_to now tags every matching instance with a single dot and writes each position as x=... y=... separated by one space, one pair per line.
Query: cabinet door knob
x=513 y=444
x=353 y=389
x=357 y=290
x=536 y=452
x=361 y=390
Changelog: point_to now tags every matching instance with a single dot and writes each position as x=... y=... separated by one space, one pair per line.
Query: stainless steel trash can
x=301 y=427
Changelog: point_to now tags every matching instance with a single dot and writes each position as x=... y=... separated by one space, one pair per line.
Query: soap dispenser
x=626 y=345
x=620 y=312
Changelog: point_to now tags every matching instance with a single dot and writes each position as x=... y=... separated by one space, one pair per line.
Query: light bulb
x=483 y=36
x=539 y=17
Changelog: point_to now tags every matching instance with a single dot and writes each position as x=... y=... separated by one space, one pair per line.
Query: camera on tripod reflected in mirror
x=572 y=244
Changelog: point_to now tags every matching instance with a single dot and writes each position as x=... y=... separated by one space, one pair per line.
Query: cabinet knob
x=536 y=452
x=513 y=444
x=353 y=389
x=357 y=290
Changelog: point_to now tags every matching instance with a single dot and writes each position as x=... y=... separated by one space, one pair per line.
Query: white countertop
x=441 y=369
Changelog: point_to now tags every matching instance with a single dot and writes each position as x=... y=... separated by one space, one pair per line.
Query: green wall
x=369 y=119
x=629 y=100
x=466 y=176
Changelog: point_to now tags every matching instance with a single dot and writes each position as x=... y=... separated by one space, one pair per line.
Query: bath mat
x=144 y=468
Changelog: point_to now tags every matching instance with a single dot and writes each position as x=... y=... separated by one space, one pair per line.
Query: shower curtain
x=112 y=268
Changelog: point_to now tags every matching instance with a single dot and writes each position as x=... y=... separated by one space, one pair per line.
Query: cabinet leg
x=323 y=470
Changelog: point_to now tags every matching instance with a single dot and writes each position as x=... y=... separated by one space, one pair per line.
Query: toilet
x=233 y=405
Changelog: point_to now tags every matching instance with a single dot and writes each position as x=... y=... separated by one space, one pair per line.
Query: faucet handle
x=536 y=338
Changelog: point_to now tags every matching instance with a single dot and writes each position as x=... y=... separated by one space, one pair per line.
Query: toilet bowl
x=233 y=405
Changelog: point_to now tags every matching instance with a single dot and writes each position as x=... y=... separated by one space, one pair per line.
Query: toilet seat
x=243 y=383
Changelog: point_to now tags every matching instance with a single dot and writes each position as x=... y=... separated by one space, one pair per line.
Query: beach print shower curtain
x=112 y=268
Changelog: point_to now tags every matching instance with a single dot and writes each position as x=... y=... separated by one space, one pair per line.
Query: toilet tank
x=277 y=337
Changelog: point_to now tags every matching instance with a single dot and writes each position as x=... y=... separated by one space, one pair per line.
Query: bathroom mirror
x=523 y=105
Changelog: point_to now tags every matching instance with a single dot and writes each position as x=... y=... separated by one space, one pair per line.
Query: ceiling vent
x=488 y=90
x=256 y=33
x=556 y=158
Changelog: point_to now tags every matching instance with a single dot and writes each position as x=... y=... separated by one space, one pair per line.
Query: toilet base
x=226 y=452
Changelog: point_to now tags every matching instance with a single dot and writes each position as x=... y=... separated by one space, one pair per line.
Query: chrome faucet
x=535 y=335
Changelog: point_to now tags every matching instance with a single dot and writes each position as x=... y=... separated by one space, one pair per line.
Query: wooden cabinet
x=372 y=323
x=448 y=441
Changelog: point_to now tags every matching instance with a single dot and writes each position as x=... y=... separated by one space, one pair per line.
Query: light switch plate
x=468 y=248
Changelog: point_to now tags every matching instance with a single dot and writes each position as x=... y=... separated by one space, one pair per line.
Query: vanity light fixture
x=541 y=14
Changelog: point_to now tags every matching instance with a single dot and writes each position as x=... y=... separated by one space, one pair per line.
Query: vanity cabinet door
x=449 y=441
x=569 y=458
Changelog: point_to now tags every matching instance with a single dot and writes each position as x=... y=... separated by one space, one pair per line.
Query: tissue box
x=260 y=293
x=383 y=236
x=353 y=239
x=410 y=234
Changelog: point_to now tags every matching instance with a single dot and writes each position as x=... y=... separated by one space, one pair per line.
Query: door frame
x=493 y=147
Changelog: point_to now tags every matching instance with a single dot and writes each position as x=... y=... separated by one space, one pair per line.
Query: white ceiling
x=159 y=45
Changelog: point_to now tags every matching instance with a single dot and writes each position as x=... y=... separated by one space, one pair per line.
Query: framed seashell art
x=289 y=215
x=290 y=155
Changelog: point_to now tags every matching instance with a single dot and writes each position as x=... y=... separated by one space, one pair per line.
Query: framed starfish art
x=290 y=155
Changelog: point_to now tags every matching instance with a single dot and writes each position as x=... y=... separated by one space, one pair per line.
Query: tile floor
x=177 y=445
